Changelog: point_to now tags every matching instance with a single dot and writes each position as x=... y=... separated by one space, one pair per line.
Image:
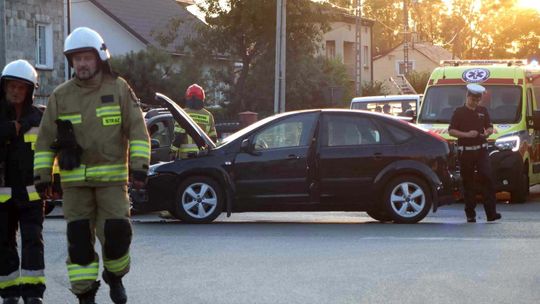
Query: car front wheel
x=199 y=200
x=407 y=199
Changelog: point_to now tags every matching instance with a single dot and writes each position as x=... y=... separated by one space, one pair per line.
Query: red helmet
x=195 y=90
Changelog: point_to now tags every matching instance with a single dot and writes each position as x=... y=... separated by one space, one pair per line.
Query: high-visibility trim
x=117 y=265
x=179 y=129
x=5 y=194
x=9 y=280
x=32 y=277
x=174 y=148
x=78 y=272
x=75 y=175
x=43 y=160
x=32 y=193
x=74 y=118
x=112 y=120
x=108 y=111
x=107 y=173
x=139 y=148
x=188 y=149
x=200 y=118
x=31 y=136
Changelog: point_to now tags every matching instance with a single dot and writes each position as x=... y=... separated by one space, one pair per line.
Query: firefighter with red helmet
x=183 y=144
x=94 y=127
x=20 y=204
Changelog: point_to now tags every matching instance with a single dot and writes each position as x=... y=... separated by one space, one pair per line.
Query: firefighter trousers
x=101 y=211
x=29 y=280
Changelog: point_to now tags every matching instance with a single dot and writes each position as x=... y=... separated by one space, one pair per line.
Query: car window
x=291 y=132
x=400 y=135
x=349 y=130
x=161 y=131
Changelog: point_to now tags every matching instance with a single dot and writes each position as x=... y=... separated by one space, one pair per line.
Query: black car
x=312 y=160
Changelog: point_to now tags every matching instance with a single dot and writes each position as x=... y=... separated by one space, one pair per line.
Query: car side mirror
x=154 y=143
x=248 y=147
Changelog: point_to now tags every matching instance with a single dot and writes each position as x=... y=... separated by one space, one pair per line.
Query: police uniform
x=20 y=205
x=473 y=155
x=109 y=127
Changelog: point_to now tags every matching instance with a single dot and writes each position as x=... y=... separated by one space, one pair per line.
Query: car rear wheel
x=407 y=199
x=199 y=200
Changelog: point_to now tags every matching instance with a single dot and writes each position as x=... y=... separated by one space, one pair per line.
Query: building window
x=44 y=46
x=330 y=49
x=366 y=56
x=401 y=67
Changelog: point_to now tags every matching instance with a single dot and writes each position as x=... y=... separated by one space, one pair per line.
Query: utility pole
x=358 y=45
x=279 y=80
x=405 y=37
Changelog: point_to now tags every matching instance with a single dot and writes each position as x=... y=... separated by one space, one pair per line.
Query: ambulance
x=512 y=98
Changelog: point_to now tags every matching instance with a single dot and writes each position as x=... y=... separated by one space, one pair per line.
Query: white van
x=397 y=105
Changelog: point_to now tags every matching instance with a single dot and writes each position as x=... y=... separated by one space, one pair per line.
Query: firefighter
x=20 y=205
x=94 y=127
x=183 y=144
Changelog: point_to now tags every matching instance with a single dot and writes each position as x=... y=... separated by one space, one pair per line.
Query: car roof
x=384 y=98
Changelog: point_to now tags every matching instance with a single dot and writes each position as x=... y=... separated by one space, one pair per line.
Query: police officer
x=472 y=126
x=94 y=126
x=183 y=144
x=20 y=205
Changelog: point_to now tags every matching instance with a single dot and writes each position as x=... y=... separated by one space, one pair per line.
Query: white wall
x=118 y=40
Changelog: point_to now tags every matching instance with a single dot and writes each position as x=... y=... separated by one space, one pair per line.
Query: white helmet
x=21 y=70
x=84 y=39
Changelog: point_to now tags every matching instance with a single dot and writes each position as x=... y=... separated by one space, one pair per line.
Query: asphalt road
x=332 y=257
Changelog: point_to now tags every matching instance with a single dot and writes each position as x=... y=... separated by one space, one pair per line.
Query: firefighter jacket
x=108 y=125
x=205 y=120
x=17 y=151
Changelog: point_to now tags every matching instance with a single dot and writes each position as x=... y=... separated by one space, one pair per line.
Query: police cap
x=475 y=89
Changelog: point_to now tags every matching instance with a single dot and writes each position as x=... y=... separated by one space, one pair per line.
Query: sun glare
x=534 y=4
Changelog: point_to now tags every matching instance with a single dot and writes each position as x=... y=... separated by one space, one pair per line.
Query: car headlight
x=508 y=143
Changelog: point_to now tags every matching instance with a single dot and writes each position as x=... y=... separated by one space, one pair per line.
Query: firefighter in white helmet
x=94 y=126
x=20 y=205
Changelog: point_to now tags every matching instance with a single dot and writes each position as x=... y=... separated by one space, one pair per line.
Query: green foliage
x=374 y=88
x=418 y=80
x=153 y=71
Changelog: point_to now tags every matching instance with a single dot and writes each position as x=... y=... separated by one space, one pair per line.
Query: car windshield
x=503 y=103
x=397 y=107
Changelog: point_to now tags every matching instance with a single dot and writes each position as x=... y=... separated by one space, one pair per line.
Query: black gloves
x=43 y=189
x=69 y=151
x=138 y=179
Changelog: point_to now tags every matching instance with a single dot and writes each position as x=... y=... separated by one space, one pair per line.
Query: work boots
x=11 y=300
x=117 y=292
x=89 y=297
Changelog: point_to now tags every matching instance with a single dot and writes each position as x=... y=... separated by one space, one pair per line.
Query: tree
x=418 y=80
x=239 y=30
x=154 y=70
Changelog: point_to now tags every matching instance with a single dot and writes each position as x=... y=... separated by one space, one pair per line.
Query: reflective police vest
x=5 y=192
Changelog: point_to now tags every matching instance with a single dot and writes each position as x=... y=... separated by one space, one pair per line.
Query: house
x=339 y=42
x=423 y=57
x=35 y=31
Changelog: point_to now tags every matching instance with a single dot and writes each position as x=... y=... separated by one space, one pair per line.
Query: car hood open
x=185 y=121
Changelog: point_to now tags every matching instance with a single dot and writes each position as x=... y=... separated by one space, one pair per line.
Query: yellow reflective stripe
x=174 y=148
x=31 y=136
x=32 y=277
x=43 y=160
x=74 y=118
x=11 y=279
x=5 y=194
x=108 y=110
x=118 y=264
x=80 y=273
x=200 y=118
x=139 y=148
x=107 y=173
x=179 y=130
x=32 y=193
x=111 y=120
x=74 y=175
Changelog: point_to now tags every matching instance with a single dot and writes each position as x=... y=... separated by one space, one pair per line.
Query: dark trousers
x=28 y=216
x=479 y=160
